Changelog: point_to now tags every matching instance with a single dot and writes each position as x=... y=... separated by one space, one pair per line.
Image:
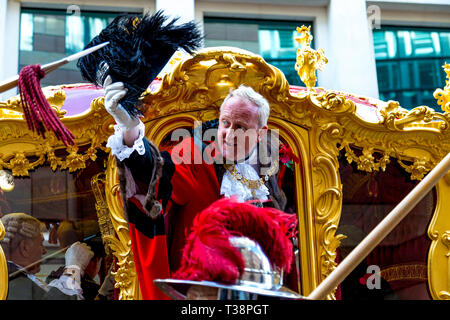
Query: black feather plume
x=140 y=46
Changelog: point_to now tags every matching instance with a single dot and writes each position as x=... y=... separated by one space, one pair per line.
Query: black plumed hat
x=139 y=48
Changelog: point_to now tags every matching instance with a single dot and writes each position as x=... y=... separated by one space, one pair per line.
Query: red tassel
x=208 y=253
x=39 y=115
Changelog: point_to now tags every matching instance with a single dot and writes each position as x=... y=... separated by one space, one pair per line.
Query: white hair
x=254 y=97
x=19 y=226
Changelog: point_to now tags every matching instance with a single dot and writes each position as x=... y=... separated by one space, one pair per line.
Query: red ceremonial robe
x=184 y=189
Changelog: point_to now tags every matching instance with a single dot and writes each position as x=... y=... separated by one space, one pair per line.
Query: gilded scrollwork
x=3 y=267
x=120 y=243
x=397 y=119
x=55 y=99
x=366 y=161
x=445 y=294
x=327 y=190
x=103 y=215
x=443 y=95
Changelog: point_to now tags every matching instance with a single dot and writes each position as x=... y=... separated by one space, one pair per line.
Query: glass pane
x=389 y=95
x=74 y=34
x=277 y=44
x=96 y=25
x=49 y=24
x=387 y=73
x=444 y=38
x=428 y=74
x=288 y=69
x=422 y=43
x=44 y=215
x=26 y=32
x=385 y=44
x=401 y=258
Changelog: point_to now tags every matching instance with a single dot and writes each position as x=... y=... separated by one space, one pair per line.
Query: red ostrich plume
x=208 y=254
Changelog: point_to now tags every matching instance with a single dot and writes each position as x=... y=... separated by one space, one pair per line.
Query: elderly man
x=185 y=187
x=23 y=247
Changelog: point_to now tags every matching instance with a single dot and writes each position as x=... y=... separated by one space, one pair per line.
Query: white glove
x=78 y=255
x=113 y=93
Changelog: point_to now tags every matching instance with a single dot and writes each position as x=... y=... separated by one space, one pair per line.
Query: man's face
x=35 y=251
x=239 y=130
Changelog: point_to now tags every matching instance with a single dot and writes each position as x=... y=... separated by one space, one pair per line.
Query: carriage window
x=401 y=258
x=44 y=214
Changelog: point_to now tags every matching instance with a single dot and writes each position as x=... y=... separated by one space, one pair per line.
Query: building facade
x=392 y=50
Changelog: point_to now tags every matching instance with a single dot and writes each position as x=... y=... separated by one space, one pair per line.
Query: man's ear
x=262 y=132
x=24 y=248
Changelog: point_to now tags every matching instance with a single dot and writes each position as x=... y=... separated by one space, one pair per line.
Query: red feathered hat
x=236 y=246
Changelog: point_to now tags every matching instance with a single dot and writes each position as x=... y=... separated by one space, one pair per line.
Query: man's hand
x=78 y=255
x=113 y=93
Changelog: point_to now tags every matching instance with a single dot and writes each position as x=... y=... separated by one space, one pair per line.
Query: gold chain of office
x=252 y=184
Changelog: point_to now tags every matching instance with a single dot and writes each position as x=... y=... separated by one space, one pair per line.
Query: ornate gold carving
x=103 y=215
x=445 y=294
x=55 y=97
x=366 y=161
x=397 y=118
x=308 y=59
x=418 y=169
x=443 y=96
x=3 y=267
x=19 y=164
x=405 y=272
x=327 y=192
x=120 y=243
x=439 y=253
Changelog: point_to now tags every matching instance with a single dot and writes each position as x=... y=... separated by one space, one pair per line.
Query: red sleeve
x=148 y=242
x=184 y=155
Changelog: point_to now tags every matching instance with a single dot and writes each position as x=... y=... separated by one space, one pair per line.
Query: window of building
x=273 y=40
x=409 y=64
x=49 y=35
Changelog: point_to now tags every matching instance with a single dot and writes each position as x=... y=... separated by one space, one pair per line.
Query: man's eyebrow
x=242 y=124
